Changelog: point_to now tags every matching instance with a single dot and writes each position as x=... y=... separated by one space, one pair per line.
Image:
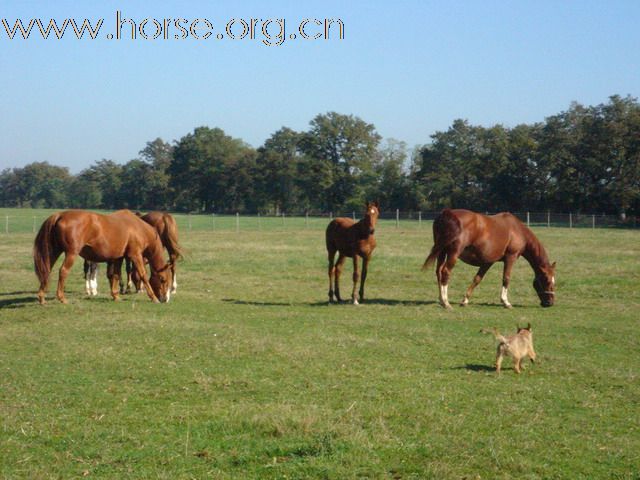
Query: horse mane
x=535 y=252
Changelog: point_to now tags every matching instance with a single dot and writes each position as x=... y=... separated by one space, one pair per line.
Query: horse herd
x=476 y=239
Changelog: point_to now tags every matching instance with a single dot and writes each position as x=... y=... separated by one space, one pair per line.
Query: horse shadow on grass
x=373 y=301
x=19 y=302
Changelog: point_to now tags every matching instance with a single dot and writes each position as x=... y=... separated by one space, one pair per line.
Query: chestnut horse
x=352 y=240
x=100 y=238
x=167 y=228
x=482 y=240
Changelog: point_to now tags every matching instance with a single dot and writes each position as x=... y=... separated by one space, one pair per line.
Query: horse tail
x=42 y=248
x=446 y=229
x=171 y=236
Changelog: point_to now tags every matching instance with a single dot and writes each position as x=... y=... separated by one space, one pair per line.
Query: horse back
x=488 y=238
x=342 y=235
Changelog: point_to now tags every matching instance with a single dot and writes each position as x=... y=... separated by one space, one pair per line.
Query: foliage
x=585 y=159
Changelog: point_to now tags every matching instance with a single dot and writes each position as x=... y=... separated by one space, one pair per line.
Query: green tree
x=347 y=145
x=211 y=171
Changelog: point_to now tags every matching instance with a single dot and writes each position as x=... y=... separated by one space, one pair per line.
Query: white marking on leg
x=504 y=298
x=444 y=296
x=87 y=286
x=174 y=287
x=355 y=301
x=465 y=301
x=94 y=282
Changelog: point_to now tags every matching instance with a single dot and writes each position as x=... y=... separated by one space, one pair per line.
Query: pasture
x=249 y=373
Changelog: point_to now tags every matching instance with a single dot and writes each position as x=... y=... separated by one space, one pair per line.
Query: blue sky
x=408 y=67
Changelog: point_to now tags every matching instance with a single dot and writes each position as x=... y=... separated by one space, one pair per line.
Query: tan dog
x=517 y=346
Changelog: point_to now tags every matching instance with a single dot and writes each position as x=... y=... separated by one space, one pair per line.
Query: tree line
x=585 y=159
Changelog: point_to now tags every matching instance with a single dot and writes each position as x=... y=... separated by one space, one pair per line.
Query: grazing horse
x=100 y=238
x=351 y=239
x=167 y=228
x=482 y=240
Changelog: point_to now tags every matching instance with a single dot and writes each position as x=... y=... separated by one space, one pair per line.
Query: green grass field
x=248 y=373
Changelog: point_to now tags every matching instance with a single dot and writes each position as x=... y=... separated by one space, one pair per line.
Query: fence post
x=213 y=221
x=593 y=221
x=528 y=220
x=330 y=215
x=570 y=220
x=548 y=218
x=420 y=219
x=397 y=218
x=189 y=217
x=283 y=219
x=6 y=224
x=259 y=222
x=237 y=221
x=306 y=219
x=353 y=214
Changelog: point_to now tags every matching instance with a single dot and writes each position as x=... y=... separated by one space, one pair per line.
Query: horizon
x=410 y=69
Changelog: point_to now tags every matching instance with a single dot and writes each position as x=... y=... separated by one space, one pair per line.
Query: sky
x=408 y=67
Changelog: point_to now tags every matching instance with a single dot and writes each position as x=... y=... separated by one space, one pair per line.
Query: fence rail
x=16 y=221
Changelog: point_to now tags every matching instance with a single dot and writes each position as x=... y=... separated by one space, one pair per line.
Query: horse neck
x=363 y=227
x=534 y=252
x=155 y=254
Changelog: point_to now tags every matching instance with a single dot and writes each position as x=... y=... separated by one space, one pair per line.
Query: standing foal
x=351 y=239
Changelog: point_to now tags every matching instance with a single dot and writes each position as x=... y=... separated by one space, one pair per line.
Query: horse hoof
x=63 y=301
x=355 y=302
x=508 y=306
x=464 y=304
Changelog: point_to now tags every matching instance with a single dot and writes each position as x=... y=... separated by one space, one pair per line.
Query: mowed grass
x=248 y=373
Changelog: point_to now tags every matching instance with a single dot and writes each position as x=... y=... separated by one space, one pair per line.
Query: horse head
x=160 y=281
x=545 y=284
x=371 y=216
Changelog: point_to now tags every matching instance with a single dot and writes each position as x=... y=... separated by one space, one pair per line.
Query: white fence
x=17 y=221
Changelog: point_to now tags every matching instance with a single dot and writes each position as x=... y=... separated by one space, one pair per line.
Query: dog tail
x=495 y=333
x=446 y=230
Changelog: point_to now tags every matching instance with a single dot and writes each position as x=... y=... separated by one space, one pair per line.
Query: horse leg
x=356 y=277
x=129 y=267
x=339 y=267
x=363 y=277
x=87 y=278
x=439 y=266
x=138 y=263
x=174 y=277
x=115 y=270
x=506 y=277
x=332 y=271
x=445 y=275
x=69 y=258
x=476 y=281
x=55 y=254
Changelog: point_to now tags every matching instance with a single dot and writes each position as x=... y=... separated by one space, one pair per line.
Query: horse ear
x=376 y=204
x=553 y=265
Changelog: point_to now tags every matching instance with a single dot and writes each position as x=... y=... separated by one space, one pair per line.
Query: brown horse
x=100 y=238
x=167 y=228
x=482 y=240
x=351 y=239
